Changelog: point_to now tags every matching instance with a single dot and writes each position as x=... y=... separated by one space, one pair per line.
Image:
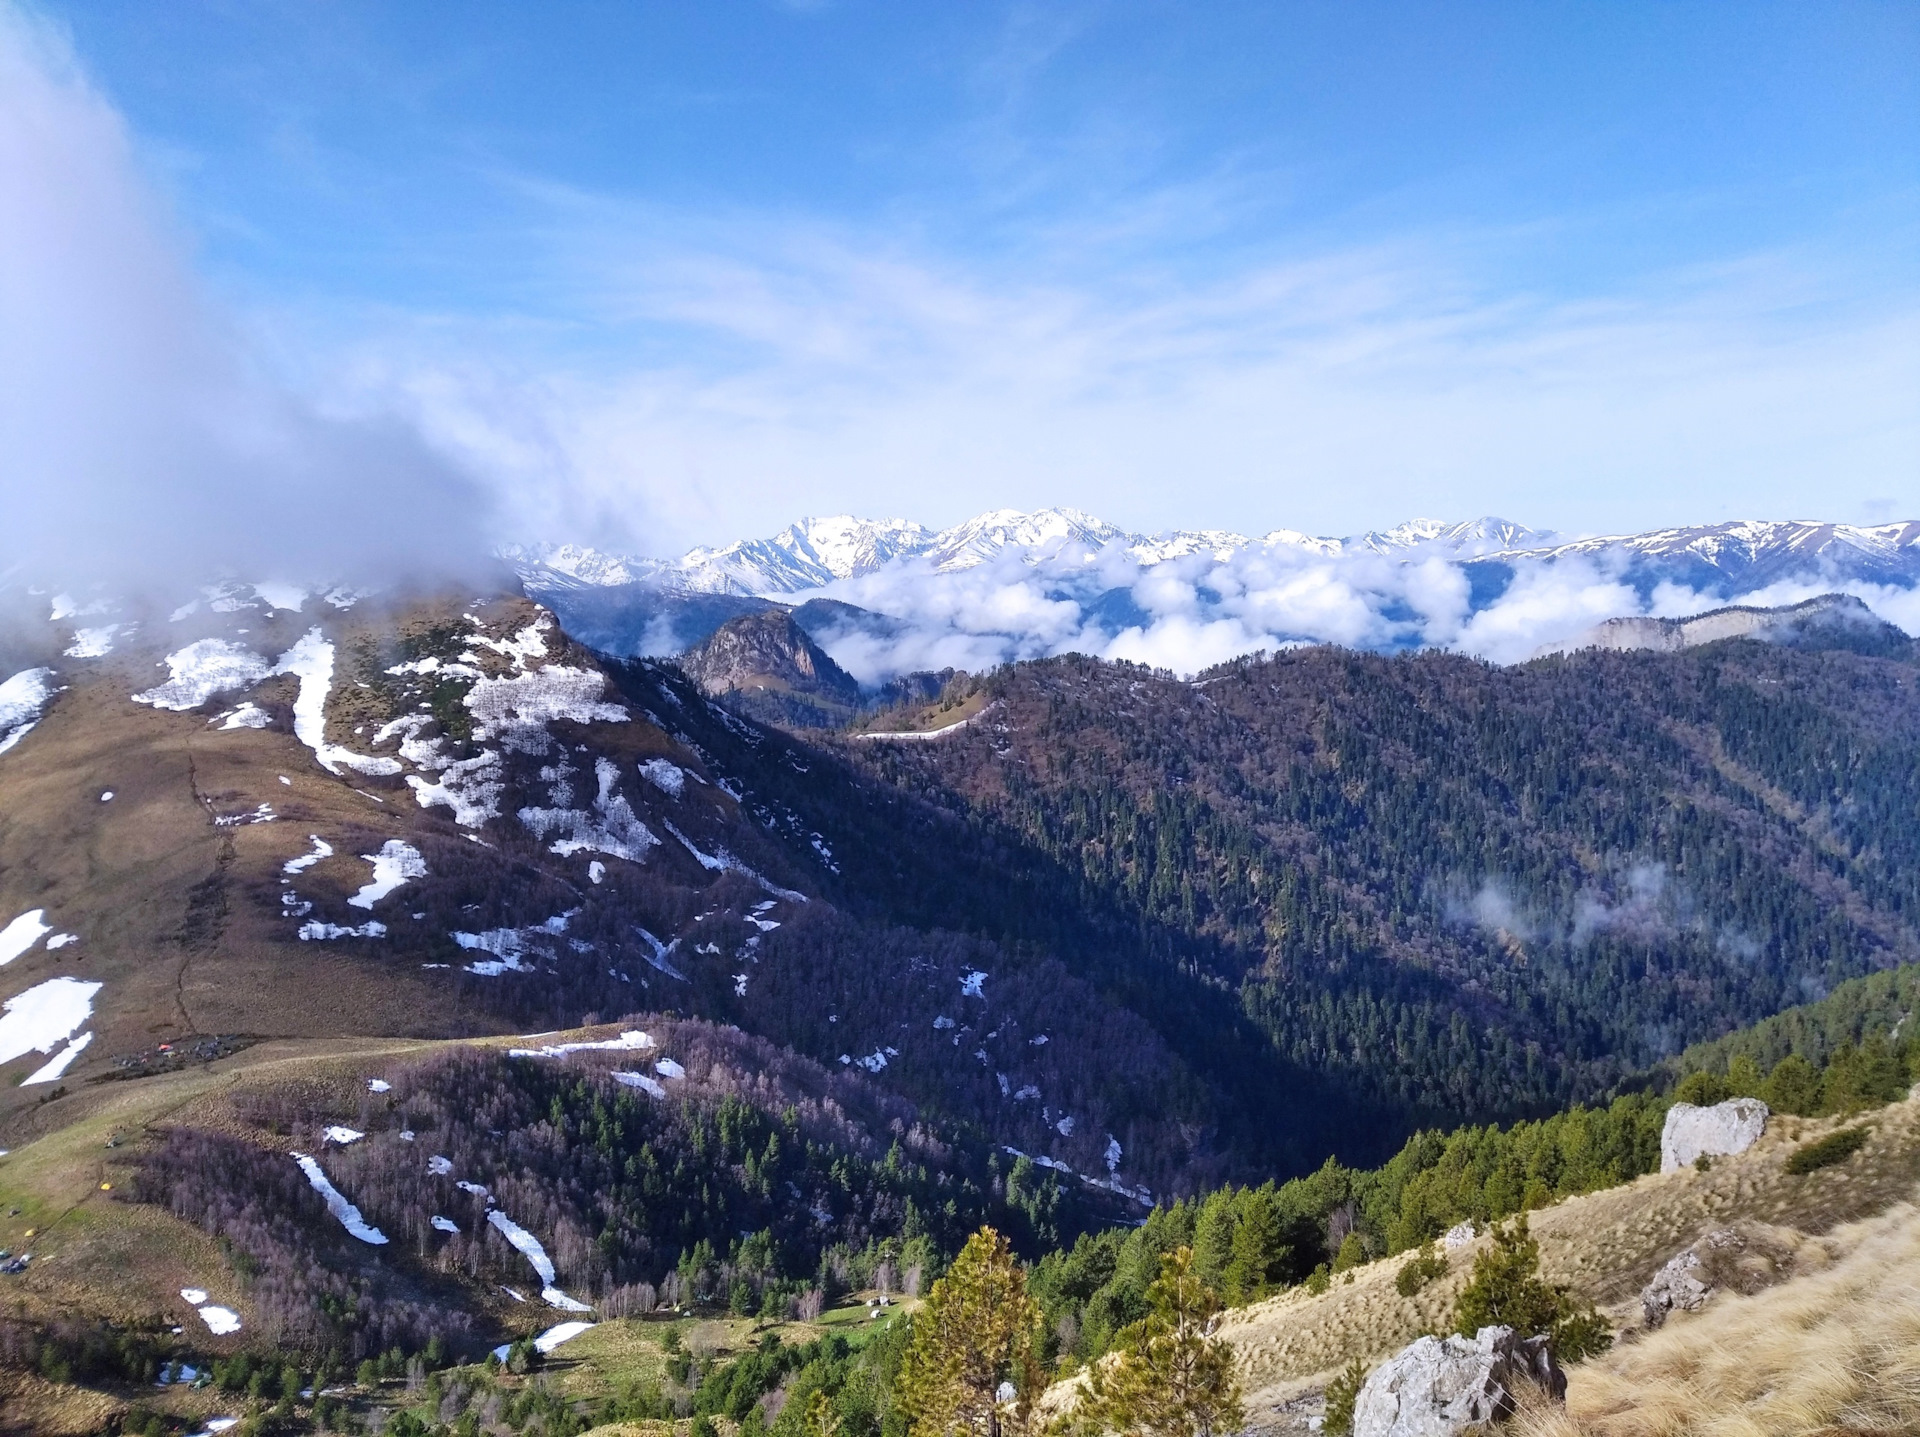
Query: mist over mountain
x=1008 y=585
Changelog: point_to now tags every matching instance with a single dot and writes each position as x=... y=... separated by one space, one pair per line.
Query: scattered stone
x=1719 y=1131
x=1457 y=1236
x=1440 y=1387
x=1741 y=1259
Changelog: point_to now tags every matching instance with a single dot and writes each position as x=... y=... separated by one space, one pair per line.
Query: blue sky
x=674 y=273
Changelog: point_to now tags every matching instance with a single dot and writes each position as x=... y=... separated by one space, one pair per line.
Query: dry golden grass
x=1604 y=1245
x=1835 y=1349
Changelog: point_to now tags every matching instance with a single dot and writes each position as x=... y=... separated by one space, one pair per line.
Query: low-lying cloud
x=141 y=436
x=1190 y=613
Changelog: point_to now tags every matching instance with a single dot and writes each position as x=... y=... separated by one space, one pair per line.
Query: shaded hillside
x=1461 y=891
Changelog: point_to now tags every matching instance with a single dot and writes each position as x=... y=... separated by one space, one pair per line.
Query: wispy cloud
x=748 y=365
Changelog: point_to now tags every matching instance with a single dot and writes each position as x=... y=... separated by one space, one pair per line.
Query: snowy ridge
x=812 y=553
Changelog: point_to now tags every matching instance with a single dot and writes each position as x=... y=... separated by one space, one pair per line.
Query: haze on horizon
x=405 y=282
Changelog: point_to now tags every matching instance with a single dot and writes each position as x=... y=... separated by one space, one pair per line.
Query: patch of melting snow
x=94 y=643
x=943 y=1022
x=44 y=1017
x=288 y=597
x=22 y=699
x=194 y=1295
x=666 y=776
x=510 y=945
x=1065 y=1127
x=613 y=828
x=59 y=1063
x=516 y=711
x=471 y=787
x=439 y=1166
x=311 y=661
x=597 y=871
x=342 y=1134
x=549 y=1339
x=21 y=934
x=658 y=954
x=248 y=715
x=379 y=1085
x=535 y=1253
x=1113 y=1153
x=667 y=1068
x=631 y=1041
x=337 y=1204
x=873 y=1062
x=724 y=862
x=327 y=932
x=203 y=669
x=220 y=1321
x=971 y=984
x=395 y=864
x=641 y=1081
x=739 y=985
x=176 y=1374
x=216 y=1425
x=475 y=1188
x=263 y=814
x=443 y=1224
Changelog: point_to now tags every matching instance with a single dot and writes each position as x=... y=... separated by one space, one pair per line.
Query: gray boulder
x=1719 y=1131
x=1743 y=1259
x=1681 y=1284
x=1442 y=1386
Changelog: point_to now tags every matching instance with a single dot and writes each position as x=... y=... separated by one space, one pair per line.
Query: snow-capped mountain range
x=814 y=553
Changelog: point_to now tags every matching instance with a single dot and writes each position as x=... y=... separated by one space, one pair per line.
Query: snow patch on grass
x=45 y=1016
x=248 y=715
x=395 y=864
x=56 y=1066
x=664 y=775
x=321 y=849
x=311 y=661
x=203 y=669
x=342 y=1134
x=21 y=934
x=221 y=1321
x=641 y=1081
x=94 y=643
x=347 y=1214
x=22 y=700
x=631 y=1041
x=613 y=828
x=318 y=932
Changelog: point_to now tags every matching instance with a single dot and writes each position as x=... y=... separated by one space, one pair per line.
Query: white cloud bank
x=1188 y=614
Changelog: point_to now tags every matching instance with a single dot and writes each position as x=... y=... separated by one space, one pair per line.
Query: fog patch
x=146 y=438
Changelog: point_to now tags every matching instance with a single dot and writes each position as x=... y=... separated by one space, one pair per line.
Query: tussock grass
x=1604 y=1245
x=1834 y=1349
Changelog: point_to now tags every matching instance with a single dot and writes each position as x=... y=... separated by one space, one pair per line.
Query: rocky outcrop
x=1719 y=1131
x=1826 y=621
x=767 y=665
x=1438 y=1387
x=1458 y=1236
x=1741 y=1259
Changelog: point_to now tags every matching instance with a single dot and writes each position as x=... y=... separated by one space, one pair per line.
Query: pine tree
x=978 y=1331
x=1506 y=1290
x=1170 y=1375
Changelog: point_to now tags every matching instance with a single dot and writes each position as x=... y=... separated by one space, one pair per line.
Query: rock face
x=1438 y=1387
x=1827 y=621
x=1719 y=1131
x=768 y=665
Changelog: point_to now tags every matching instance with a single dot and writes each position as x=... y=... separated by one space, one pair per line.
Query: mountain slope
x=446 y=818
x=1466 y=891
